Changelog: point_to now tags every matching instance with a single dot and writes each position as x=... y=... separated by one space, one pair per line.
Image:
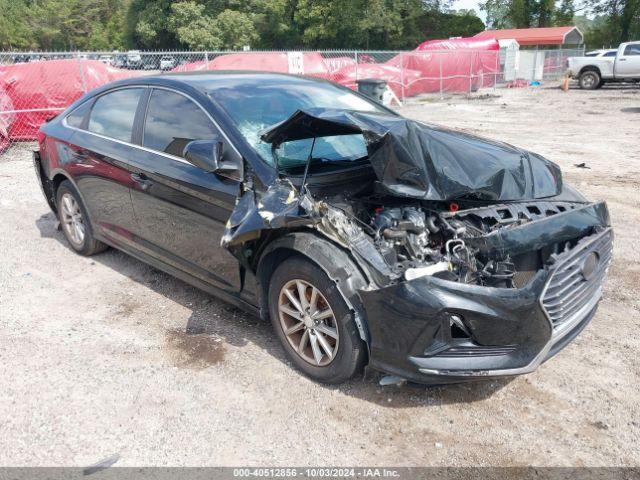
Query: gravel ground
x=105 y=355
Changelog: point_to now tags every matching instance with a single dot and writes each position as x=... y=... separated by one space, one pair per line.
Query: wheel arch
x=57 y=177
x=590 y=68
x=337 y=263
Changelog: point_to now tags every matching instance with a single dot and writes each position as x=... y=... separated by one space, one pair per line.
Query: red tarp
x=30 y=93
x=456 y=65
x=303 y=63
x=465 y=43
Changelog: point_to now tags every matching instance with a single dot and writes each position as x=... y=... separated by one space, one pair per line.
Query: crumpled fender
x=277 y=207
x=334 y=261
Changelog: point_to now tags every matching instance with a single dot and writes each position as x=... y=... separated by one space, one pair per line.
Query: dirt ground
x=105 y=355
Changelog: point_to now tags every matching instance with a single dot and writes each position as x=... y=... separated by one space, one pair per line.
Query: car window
x=76 y=118
x=610 y=54
x=633 y=49
x=172 y=121
x=112 y=114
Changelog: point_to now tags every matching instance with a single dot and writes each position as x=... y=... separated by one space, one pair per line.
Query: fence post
x=356 y=56
x=206 y=59
x=402 y=76
x=84 y=81
x=441 y=79
x=470 y=71
x=497 y=69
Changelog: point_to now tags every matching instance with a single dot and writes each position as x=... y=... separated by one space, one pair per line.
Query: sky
x=470 y=5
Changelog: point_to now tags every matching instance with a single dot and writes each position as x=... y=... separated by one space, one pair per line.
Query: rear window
x=113 y=114
x=610 y=54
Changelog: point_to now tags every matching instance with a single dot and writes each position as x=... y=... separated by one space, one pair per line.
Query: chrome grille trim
x=567 y=291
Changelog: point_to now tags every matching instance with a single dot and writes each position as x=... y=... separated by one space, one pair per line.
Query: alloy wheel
x=308 y=322
x=72 y=220
x=588 y=81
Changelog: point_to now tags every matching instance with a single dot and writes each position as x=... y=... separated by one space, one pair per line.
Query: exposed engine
x=413 y=240
x=419 y=242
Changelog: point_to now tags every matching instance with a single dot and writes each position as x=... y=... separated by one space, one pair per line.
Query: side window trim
x=140 y=118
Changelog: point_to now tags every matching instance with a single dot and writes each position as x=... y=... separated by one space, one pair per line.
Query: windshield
x=254 y=107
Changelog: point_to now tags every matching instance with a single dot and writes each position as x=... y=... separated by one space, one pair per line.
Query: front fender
x=332 y=259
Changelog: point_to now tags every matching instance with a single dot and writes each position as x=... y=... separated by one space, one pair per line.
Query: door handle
x=622 y=59
x=142 y=180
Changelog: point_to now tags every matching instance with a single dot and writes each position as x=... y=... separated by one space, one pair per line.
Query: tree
x=623 y=15
x=192 y=27
x=497 y=13
x=565 y=13
x=236 y=29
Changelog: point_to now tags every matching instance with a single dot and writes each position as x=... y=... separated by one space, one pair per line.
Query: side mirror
x=205 y=154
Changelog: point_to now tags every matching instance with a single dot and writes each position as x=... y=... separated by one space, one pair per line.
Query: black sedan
x=366 y=238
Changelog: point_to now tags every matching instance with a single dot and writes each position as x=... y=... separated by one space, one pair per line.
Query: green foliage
x=622 y=19
x=564 y=13
x=62 y=24
x=236 y=29
x=228 y=24
x=611 y=22
x=192 y=27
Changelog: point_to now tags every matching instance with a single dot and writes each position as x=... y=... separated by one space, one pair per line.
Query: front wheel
x=316 y=328
x=589 y=80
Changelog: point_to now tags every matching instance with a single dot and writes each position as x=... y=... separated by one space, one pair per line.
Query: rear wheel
x=313 y=322
x=589 y=80
x=75 y=221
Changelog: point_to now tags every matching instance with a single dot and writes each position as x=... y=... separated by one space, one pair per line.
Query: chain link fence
x=35 y=86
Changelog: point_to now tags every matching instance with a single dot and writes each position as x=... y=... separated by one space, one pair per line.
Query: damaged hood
x=428 y=162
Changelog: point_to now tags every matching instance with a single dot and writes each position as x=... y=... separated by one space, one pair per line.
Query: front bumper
x=413 y=331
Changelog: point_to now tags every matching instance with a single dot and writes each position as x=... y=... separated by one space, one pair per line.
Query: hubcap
x=72 y=220
x=589 y=80
x=308 y=322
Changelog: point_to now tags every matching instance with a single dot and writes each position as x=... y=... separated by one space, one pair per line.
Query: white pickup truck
x=593 y=72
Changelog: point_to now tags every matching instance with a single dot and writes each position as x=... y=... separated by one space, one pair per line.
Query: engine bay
x=415 y=239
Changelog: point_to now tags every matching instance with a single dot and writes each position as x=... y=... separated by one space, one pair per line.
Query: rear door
x=628 y=61
x=98 y=157
x=181 y=210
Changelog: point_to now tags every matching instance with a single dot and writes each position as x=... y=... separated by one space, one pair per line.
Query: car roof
x=206 y=81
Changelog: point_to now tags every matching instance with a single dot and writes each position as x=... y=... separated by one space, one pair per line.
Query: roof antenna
x=303 y=187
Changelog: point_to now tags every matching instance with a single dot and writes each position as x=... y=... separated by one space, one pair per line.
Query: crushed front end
x=508 y=299
x=476 y=260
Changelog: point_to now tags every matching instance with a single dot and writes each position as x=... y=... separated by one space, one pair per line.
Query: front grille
x=573 y=283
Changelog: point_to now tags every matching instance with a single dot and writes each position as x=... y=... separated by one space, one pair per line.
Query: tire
x=339 y=331
x=74 y=221
x=589 y=80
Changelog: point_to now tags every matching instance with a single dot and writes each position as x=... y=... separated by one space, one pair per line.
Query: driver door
x=180 y=209
x=628 y=64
